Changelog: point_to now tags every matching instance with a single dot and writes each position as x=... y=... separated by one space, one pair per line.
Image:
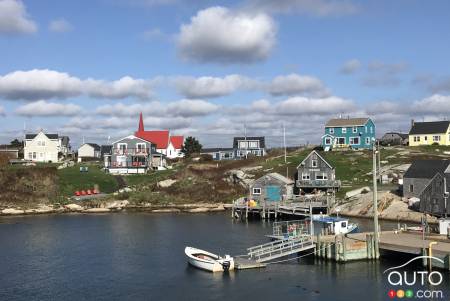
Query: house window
x=253 y=144
x=371 y=130
x=30 y=155
x=416 y=138
x=354 y=140
x=122 y=147
x=341 y=140
x=34 y=155
x=367 y=140
x=141 y=147
x=323 y=176
x=256 y=190
x=243 y=144
x=313 y=163
x=328 y=140
x=436 y=138
x=411 y=188
x=355 y=130
x=331 y=130
x=305 y=176
x=344 y=130
x=366 y=129
x=425 y=138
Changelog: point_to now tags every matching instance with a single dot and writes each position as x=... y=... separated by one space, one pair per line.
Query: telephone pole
x=375 y=199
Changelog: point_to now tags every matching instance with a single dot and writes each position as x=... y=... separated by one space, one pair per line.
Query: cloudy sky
x=205 y=68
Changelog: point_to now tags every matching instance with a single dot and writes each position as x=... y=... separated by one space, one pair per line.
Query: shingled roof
x=262 y=141
x=339 y=122
x=435 y=127
x=426 y=169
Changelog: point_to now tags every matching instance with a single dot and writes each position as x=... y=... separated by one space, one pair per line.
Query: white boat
x=208 y=261
x=329 y=225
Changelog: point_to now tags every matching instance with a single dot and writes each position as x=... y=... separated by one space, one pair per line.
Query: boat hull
x=211 y=262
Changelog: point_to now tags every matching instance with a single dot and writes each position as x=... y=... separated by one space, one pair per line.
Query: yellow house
x=428 y=133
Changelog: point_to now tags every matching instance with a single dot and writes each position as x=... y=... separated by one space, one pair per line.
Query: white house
x=89 y=150
x=43 y=147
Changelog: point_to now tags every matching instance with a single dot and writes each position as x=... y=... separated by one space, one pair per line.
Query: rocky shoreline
x=117 y=206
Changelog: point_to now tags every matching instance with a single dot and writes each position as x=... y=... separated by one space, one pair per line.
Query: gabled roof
x=177 y=141
x=261 y=139
x=94 y=145
x=160 y=138
x=339 y=122
x=426 y=169
x=216 y=149
x=435 y=127
x=401 y=135
x=281 y=178
x=329 y=165
x=132 y=137
x=49 y=136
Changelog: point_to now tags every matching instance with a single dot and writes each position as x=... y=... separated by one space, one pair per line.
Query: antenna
x=245 y=139
x=284 y=143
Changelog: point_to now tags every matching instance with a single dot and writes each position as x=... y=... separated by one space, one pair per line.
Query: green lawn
x=70 y=179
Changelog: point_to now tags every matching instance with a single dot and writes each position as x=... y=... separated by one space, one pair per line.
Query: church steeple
x=141 y=123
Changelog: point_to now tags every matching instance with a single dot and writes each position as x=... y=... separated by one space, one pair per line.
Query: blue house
x=354 y=133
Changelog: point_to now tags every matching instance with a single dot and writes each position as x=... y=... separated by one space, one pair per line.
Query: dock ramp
x=280 y=248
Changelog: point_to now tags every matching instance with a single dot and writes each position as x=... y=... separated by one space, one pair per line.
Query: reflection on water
x=139 y=256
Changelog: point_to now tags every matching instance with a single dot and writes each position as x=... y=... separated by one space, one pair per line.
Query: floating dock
x=241 y=263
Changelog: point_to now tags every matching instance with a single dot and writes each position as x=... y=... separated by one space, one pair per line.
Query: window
x=366 y=129
x=34 y=155
x=122 y=147
x=371 y=130
x=355 y=130
x=344 y=130
x=354 y=140
x=436 y=138
x=343 y=224
x=30 y=155
x=243 y=144
x=256 y=190
x=416 y=138
x=141 y=148
x=425 y=138
x=341 y=140
x=328 y=140
x=314 y=163
x=331 y=130
x=367 y=140
x=411 y=188
x=323 y=176
x=253 y=144
x=305 y=176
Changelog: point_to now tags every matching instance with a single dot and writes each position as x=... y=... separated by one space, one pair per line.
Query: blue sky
x=204 y=68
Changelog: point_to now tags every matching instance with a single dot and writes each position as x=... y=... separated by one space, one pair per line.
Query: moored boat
x=329 y=225
x=208 y=261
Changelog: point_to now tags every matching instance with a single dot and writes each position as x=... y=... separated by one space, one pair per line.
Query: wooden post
x=246 y=210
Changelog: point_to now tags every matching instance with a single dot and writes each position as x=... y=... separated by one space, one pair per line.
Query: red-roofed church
x=171 y=146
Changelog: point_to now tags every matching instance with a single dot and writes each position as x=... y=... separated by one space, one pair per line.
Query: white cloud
x=2 y=111
x=207 y=86
x=131 y=110
x=14 y=18
x=60 y=25
x=45 y=84
x=48 y=109
x=191 y=108
x=436 y=104
x=294 y=84
x=217 y=34
x=350 y=66
x=314 y=106
x=312 y=7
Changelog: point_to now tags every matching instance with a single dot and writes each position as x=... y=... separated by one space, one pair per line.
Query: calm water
x=139 y=256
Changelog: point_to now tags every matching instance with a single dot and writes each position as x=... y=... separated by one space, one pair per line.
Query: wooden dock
x=241 y=263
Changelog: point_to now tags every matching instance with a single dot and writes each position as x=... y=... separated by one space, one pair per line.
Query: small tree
x=191 y=145
x=16 y=143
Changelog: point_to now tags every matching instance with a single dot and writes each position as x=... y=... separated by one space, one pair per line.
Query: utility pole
x=284 y=143
x=379 y=162
x=446 y=193
x=245 y=139
x=375 y=199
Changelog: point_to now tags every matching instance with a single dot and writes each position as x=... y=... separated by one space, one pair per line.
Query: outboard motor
x=226 y=265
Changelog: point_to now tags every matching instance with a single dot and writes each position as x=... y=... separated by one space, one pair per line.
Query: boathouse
x=315 y=173
x=272 y=187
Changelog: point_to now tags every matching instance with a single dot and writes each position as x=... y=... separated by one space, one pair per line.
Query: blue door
x=273 y=193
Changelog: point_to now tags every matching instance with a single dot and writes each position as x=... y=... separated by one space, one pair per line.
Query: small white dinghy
x=207 y=261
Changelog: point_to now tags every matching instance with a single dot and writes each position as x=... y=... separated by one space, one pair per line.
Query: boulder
x=355 y=192
x=117 y=204
x=12 y=211
x=166 y=183
x=198 y=210
x=73 y=207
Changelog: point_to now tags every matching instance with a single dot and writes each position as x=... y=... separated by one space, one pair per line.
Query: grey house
x=394 y=138
x=244 y=146
x=130 y=155
x=272 y=187
x=314 y=172
x=419 y=175
x=432 y=200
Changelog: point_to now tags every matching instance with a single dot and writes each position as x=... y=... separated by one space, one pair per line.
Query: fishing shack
x=272 y=187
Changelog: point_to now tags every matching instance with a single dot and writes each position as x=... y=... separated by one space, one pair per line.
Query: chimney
x=412 y=123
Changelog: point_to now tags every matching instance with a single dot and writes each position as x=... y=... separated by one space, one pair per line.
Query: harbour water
x=140 y=256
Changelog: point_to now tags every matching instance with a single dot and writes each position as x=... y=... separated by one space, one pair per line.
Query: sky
x=217 y=69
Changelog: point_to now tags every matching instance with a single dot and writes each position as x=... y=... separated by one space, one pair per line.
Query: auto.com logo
x=430 y=281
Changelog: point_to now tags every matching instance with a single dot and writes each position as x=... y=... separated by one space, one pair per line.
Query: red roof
x=160 y=138
x=177 y=141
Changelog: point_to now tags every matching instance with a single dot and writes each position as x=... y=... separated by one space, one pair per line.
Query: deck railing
x=131 y=151
x=318 y=183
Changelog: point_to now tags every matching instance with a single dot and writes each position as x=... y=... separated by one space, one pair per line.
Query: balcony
x=131 y=151
x=129 y=165
x=318 y=183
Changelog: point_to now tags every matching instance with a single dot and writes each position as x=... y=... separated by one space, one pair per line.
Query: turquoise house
x=354 y=133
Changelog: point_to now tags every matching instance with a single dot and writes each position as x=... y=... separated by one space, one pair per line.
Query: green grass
x=70 y=179
x=148 y=179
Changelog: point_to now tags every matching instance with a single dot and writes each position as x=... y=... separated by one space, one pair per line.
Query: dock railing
x=291 y=229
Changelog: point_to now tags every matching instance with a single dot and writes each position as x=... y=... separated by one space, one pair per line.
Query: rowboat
x=208 y=261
